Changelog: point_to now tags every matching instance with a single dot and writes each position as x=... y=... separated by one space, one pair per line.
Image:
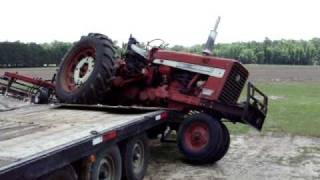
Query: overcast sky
x=184 y=22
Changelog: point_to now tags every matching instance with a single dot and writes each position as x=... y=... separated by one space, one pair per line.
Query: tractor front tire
x=224 y=146
x=199 y=138
x=86 y=70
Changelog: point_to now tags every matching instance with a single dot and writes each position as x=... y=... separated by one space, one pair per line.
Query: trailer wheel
x=225 y=143
x=199 y=137
x=135 y=153
x=41 y=96
x=86 y=70
x=107 y=165
x=65 y=173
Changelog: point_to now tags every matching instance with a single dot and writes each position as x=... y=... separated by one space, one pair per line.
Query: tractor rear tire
x=199 y=137
x=80 y=81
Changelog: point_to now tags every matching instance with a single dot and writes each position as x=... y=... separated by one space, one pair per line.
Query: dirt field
x=252 y=156
x=45 y=73
x=284 y=73
x=258 y=73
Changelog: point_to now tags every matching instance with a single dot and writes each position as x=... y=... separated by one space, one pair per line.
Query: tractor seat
x=140 y=51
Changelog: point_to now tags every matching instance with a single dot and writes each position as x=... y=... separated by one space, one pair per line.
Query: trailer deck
x=31 y=133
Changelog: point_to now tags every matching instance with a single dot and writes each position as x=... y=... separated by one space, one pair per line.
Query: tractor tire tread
x=97 y=86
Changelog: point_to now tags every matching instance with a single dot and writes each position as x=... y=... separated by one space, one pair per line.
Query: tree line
x=294 y=52
x=18 y=54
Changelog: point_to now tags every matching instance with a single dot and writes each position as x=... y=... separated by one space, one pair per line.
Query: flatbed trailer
x=39 y=141
x=90 y=142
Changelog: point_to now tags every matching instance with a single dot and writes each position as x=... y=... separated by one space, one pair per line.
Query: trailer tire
x=65 y=173
x=86 y=70
x=225 y=143
x=135 y=155
x=41 y=97
x=199 y=137
x=108 y=162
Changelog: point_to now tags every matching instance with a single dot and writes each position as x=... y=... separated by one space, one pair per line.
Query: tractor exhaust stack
x=208 y=51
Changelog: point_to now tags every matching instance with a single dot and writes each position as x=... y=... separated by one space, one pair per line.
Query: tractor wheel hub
x=83 y=70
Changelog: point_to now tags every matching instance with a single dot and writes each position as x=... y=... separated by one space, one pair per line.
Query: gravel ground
x=252 y=156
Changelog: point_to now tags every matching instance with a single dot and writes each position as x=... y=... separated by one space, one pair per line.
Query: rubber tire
x=65 y=173
x=127 y=152
x=96 y=86
x=112 y=151
x=42 y=95
x=215 y=131
x=223 y=149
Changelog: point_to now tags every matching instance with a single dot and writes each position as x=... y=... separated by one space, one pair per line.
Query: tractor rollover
x=201 y=88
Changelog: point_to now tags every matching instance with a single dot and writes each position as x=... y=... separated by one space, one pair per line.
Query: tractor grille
x=234 y=84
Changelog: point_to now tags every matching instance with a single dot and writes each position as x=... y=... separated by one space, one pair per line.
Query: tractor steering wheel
x=162 y=44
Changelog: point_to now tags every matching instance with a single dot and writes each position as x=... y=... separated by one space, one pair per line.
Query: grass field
x=297 y=110
x=293 y=108
x=294 y=96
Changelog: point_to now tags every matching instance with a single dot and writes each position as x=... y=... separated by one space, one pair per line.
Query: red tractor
x=203 y=88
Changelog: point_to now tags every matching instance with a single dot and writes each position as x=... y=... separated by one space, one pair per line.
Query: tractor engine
x=207 y=77
x=180 y=80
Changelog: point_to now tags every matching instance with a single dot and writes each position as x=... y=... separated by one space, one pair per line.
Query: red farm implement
x=21 y=86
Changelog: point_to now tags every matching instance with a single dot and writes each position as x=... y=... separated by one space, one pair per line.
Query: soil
x=283 y=73
x=258 y=73
x=44 y=73
x=252 y=156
